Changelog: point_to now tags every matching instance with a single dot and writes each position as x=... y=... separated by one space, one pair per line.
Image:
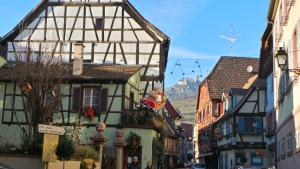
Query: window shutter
x=76 y=104
x=103 y=99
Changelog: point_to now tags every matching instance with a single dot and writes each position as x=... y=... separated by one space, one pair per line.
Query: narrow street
x=160 y=84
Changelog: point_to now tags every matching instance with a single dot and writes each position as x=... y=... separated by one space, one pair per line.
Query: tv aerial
x=230 y=38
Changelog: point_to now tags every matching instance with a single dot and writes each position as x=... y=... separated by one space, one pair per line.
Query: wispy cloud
x=183 y=53
x=170 y=15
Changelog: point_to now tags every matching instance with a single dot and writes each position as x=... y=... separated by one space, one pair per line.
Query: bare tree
x=39 y=76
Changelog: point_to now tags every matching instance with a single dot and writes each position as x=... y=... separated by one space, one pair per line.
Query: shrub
x=64 y=149
x=82 y=152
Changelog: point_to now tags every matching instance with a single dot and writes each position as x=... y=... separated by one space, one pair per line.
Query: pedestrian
x=134 y=164
x=149 y=165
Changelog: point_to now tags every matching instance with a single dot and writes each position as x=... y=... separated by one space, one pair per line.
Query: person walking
x=134 y=164
x=149 y=165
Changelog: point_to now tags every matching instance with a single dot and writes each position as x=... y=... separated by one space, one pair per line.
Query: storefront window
x=255 y=159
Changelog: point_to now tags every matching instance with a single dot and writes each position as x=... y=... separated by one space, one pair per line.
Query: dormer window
x=99 y=23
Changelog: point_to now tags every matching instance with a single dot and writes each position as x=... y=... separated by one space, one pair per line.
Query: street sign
x=42 y=128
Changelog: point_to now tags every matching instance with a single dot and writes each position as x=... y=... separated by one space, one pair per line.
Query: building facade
x=239 y=135
x=266 y=74
x=284 y=15
x=229 y=72
x=123 y=58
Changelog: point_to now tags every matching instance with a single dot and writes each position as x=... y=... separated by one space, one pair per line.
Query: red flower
x=89 y=112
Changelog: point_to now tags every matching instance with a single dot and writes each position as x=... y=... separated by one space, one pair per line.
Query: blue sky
x=194 y=27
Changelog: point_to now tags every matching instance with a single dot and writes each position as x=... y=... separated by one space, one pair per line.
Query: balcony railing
x=290 y=3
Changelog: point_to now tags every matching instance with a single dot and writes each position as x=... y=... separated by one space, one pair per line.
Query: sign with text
x=51 y=129
x=49 y=147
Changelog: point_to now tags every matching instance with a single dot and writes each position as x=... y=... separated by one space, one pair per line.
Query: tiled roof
x=230 y=72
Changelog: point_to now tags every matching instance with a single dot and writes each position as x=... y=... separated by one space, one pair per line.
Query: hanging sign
x=47 y=129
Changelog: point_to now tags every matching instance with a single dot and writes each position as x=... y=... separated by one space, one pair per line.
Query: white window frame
x=91 y=96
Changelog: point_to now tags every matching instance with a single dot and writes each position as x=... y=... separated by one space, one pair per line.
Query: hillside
x=183 y=96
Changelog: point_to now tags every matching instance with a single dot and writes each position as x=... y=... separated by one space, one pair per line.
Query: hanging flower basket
x=89 y=113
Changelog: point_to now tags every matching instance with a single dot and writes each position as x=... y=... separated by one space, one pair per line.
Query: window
x=256 y=159
x=216 y=109
x=250 y=125
x=283 y=148
x=283 y=82
x=91 y=98
x=99 y=23
x=289 y=142
x=85 y=97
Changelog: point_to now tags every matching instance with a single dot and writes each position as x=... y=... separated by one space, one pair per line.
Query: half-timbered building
x=112 y=31
x=229 y=72
x=123 y=58
x=239 y=135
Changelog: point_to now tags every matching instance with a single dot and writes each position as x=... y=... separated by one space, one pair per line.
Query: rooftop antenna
x=230 y=38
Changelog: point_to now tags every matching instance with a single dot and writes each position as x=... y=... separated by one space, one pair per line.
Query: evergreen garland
x=134 y=141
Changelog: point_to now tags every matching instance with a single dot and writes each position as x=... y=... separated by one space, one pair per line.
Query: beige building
x=285 y=16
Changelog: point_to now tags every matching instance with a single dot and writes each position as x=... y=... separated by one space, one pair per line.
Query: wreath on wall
x=89 y=112
x=134 y=141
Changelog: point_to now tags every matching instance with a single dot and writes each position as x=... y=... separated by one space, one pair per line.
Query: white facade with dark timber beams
x=112 y=31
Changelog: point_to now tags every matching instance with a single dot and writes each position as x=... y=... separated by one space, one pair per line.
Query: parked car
x=4 y=166
x=199 y=166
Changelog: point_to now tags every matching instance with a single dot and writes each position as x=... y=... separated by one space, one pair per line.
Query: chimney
x=78 y=59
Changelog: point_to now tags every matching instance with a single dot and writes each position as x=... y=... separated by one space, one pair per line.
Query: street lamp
x=281 y=58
